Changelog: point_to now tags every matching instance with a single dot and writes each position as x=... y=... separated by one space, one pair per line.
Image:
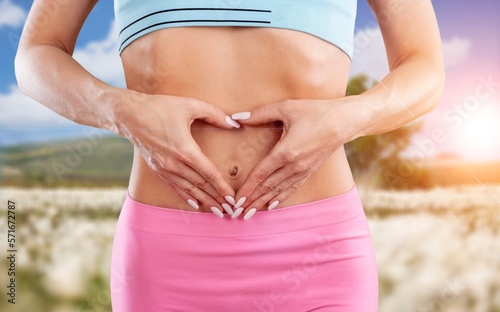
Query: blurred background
x=431 y=190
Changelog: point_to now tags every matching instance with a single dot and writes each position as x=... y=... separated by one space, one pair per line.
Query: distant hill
x=71 y=162
x=452 y=170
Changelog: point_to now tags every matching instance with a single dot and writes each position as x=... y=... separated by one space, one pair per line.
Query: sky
x=465 y=123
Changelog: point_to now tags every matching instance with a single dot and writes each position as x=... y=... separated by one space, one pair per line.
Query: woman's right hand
x=160 y=127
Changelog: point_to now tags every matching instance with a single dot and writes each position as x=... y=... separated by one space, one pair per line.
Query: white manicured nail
x=250 y=213
x=236 y=213
x=240 y=202
x=217 y=212
x=240 y=116
x=227 y=208
x=229 y=199
x=231 y=122
x=193 y=204
x=273 y=205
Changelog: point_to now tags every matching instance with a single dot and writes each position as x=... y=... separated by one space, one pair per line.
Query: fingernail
x=250 y=213
x=273 y=205
x=231 y=122
x=227 y=208
x=193 y=204
x=236 y=213
x=240 y=116
x=240 y=202
x=217 y=212
x=229 y=199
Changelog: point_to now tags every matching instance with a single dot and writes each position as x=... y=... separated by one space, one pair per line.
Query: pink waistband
x=292 y=218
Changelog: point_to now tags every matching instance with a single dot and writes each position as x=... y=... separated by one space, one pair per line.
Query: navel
x=233 y=171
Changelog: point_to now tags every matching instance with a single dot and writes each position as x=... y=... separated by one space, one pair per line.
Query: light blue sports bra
x=330 y=20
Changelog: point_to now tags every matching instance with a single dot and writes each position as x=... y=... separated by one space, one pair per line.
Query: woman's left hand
x=312 y=131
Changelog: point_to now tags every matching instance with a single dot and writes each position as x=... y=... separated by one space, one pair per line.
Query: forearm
x=53 y=78
x=410 y=90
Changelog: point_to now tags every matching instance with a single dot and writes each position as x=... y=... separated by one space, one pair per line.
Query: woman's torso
x=237 y=69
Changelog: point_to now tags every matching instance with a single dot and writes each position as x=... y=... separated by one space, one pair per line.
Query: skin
x=178 y=95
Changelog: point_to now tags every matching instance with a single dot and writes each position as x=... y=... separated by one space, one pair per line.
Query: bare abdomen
x=237 y=69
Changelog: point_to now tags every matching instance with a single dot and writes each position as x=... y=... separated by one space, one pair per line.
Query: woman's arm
x=415 y=83
x=314 y=129
x=47 y=72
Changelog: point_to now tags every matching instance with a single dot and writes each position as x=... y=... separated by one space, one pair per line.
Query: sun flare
x=480 y=133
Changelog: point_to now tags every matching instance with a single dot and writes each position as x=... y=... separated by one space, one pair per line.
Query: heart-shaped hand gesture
x=309 y=137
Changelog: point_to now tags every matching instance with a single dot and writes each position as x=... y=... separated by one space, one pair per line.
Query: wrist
x=351 y=116
x=121 y=105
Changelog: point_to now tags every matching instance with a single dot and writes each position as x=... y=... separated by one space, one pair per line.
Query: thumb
x=214 y=115
x=260 y=115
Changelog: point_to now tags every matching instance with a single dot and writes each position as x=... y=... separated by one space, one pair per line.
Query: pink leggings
x=316 y=256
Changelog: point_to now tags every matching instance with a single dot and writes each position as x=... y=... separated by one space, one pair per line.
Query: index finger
x=257 y=175
x=207 y=169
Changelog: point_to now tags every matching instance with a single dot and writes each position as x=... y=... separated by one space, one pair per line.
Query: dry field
x=437 y=250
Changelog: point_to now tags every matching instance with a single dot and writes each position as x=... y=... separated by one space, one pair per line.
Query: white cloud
x=455 y=51
x=20 y=111
x=99 y=57
x=11 y=15
x=370 y=54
